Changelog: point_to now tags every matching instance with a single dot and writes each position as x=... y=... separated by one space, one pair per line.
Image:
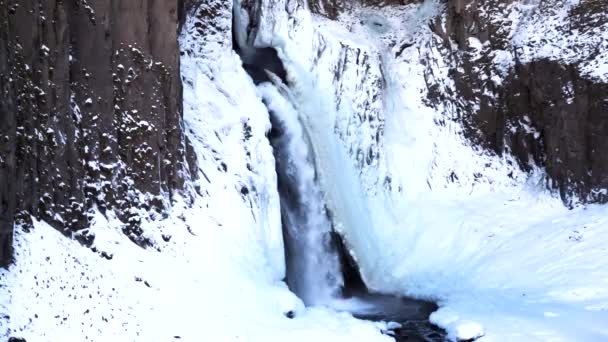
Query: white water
x=337 y=175
x=314 y=271
x=313 y=264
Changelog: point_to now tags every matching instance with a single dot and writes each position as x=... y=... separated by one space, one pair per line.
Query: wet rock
x=419 y=331
x=16 y=339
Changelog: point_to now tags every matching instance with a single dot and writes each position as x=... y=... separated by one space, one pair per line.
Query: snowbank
x=209 y=282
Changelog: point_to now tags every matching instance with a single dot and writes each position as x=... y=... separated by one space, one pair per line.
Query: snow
x=550 y=30
x=424 y=213
x=203 y=285
x=459 y=330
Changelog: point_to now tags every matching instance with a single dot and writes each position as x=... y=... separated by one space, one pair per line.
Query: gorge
x=264 y=170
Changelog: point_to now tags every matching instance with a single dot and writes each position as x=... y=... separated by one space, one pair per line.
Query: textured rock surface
x=540 y=106
x=333 y=8
x=569 y=117
x=91 y=112
x=7 y=148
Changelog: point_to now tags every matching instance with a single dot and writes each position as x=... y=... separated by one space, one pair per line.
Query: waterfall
x=313 y=263
x=320 y=193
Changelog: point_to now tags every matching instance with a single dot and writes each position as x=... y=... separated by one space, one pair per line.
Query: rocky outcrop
x=555 y=118
x=91 y=113
x=542 y=108
x=333 y=8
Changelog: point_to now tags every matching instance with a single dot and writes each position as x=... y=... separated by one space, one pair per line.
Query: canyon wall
x=531 y=83
x=528 y=79
x=91 y=113
x=92 y=98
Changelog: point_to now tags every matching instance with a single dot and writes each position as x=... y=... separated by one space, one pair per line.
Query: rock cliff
x=532 y=85
x=91 y=113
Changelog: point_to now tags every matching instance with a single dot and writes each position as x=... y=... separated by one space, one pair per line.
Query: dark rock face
x=333 y=8
x=91 y=112
x=545 y=113
x=186 y=8
x=7 y=148
x=16 y=339
x=568 y=115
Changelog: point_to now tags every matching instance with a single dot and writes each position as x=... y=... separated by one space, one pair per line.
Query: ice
x=458 y=225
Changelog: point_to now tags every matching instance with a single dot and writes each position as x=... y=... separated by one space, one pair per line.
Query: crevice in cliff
x=259 y=61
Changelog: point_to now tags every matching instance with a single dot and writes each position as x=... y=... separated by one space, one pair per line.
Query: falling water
x=313 y=268
x=314 y=261
x=318 y=190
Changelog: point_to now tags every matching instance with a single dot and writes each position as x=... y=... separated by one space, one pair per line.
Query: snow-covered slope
x=210 y=282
